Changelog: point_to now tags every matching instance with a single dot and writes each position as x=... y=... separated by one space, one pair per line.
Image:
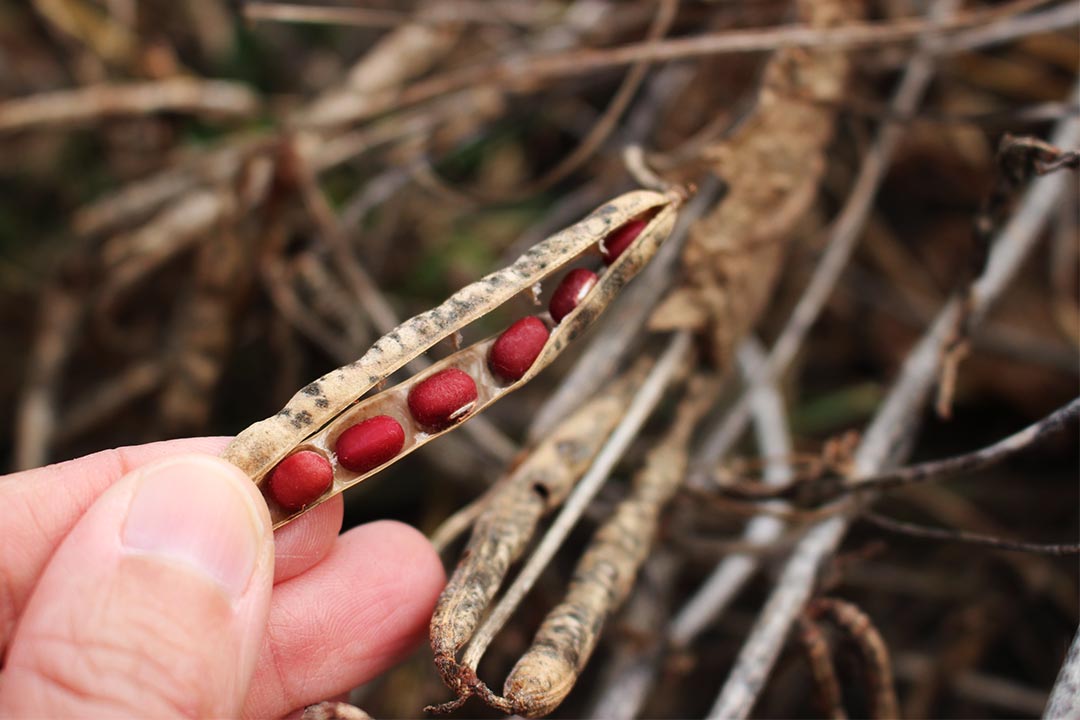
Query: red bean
x=570 y=292
x=514 y=352
x=615 y=243
x=367 y=445
x=442 y=399
x=300 y=479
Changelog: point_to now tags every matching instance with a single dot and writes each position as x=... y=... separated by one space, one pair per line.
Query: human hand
x=146 y=581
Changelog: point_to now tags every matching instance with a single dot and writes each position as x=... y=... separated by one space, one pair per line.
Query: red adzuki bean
x=570 y=292
x=620 y=239
x=300 y=479
x=367 y=445
x=442 y=399
x=514 y=352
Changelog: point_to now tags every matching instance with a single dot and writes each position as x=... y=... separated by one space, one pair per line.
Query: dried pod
x=517 y=348
x=371 y=443
x=321 y=412
x=300 y=479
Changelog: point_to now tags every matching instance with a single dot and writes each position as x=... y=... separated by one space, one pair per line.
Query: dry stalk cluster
x=169 y=276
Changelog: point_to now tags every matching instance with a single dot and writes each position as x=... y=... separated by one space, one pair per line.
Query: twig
x=483 y=12
x=876 y=663
x=950 y=535
x=181 y=94
x=452 y=527
x=1010 y=28
x=108 y=397
x=605 y=124
x=888 y=438
x=1065 y=697
x=324 y=15
x=818 y=655
x=718 y=590
x=981 y=459
x=528 y=71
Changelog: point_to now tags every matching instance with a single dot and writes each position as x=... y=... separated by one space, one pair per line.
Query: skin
x=146 y=581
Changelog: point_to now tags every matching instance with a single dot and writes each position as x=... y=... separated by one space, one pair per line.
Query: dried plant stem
x=874 y=654
x=537 y=484
x=1011 y=28
x=328 y=15
x=774 y=441
x=529 y=71
x=981 y=459
x=1065 y=697
x=889 y=436
x=608 y=120
x=180 y=94
x=815 y=645
x=949 y=535
x=670 y=365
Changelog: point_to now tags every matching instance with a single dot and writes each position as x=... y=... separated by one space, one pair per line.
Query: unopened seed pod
x=367 y=445
x=514 y=352
x=300 y=479
x=570 y=292
x=442 y=399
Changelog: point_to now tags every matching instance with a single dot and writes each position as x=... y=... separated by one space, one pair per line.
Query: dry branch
x=218 y=98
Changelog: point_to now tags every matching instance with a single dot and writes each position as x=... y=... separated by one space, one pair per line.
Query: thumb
x=155 y=603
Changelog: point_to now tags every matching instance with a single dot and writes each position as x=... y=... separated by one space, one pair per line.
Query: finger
x=39 y=507
x=347 y=619
x=303 y=543
x=154 y=604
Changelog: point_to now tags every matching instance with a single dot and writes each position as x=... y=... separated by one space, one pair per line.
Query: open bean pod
x=296 y=456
